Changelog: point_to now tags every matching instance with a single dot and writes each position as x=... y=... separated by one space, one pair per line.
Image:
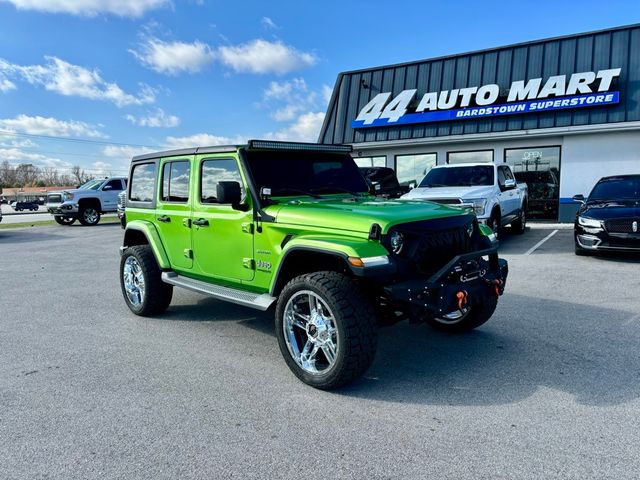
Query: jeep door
x=173 y=210
x=222 y=236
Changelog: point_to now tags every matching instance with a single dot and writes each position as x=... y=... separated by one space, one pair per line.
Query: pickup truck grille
x=431 y=244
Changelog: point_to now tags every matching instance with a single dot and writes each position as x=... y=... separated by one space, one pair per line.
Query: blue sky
x=92 y=82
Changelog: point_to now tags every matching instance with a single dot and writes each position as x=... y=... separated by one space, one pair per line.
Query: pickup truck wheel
x=460 y=321
x=64 y=220
x=494 y=222
x=520 y=225
x=140 y=280
x=326 y=329
x=88 y=215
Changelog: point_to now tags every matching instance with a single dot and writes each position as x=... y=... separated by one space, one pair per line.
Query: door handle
x=201 y=222
x=164 y=219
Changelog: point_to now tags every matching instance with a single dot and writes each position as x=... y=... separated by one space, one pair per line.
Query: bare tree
x=26 y=175
x=79 y=175
x=7 y=174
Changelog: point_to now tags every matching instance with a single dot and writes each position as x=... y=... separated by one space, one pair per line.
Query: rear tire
x=140 y=280
x=325 y=312
x=64 y=220
x=469 y=319
x=88 y=215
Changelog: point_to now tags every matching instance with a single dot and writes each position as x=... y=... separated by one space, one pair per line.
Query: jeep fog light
x=397 y=242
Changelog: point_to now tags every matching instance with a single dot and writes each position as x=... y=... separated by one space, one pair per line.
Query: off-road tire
x=157 y=293
x=476 y=316
x=355 y=323
x=84 y=215
x=60 y=220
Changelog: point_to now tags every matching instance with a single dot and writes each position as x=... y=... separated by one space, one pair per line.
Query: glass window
x=479 y=156
x=539 y=168
x=617 y=188
x=143 y=181
x=465 y=176
x=380 y=161
x=412 y=168
x=175 y=182
x=114 y=184
x=214 y=171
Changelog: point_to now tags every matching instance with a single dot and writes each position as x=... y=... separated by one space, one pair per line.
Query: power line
x=75 y=140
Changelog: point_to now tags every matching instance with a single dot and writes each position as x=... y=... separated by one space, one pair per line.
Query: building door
x=539 y=168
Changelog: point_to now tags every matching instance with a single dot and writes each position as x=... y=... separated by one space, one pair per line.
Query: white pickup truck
x=490 y=189
x=87 y=202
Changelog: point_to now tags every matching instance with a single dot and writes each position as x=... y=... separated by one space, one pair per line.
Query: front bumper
x=466 y=280
x=608 y=242
x=63 y=209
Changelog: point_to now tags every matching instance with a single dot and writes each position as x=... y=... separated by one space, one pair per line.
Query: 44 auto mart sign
x=584 y=89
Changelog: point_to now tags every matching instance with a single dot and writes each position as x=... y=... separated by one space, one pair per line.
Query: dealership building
x=563 y=112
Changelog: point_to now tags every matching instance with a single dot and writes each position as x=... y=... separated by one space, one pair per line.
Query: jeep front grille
x=431 y=244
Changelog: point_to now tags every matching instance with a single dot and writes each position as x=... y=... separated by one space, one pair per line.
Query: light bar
x=316 y=147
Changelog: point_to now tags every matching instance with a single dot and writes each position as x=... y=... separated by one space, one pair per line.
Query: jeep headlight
x=589 y=222
x=67 y=196
x=397 y=242
x=478 y=205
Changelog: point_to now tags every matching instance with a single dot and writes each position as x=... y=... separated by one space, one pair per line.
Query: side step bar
x=248 y=299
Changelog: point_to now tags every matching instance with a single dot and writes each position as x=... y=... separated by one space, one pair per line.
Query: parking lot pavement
x=548 y=388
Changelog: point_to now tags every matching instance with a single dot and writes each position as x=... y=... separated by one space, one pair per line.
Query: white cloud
x=50 y=126
x=268 y=23
x=90 y=8
x=173 y=57
x=125 y=152
x=16 y=155
x=157 y=118
x=203 y=140
x=6 y=85
x=72 y=80
x=262 y=56
x=305 y=129
x=327 y=91
x=290 y=99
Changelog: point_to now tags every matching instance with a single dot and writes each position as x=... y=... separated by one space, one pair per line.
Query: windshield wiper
x=339 y=189
x=276 y=191
x=433 y=185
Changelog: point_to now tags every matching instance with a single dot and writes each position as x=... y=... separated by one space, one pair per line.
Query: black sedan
x=609 y=219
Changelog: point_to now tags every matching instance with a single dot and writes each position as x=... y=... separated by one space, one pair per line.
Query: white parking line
x=537 y=245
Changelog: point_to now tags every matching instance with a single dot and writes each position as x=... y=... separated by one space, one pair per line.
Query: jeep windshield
x=91 y=185
x=305 y=173
x=471 y=176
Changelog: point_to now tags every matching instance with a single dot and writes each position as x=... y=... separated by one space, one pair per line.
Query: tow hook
x=497 y=286
x=462 y=297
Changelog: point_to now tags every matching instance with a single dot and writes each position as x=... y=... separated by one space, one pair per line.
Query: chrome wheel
x=134 y=283
x=453 y=317
x=90 y=215
x=310 y=332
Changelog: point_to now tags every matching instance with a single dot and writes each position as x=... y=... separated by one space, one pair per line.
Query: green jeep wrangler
x=292 y=225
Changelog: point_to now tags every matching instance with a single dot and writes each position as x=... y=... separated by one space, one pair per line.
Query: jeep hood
x=357 y=214
x=464 y=193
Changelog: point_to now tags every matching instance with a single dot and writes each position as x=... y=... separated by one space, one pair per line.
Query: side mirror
x=578 y=198
x=229 y=193
x=412 y=185
x=509 y=184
